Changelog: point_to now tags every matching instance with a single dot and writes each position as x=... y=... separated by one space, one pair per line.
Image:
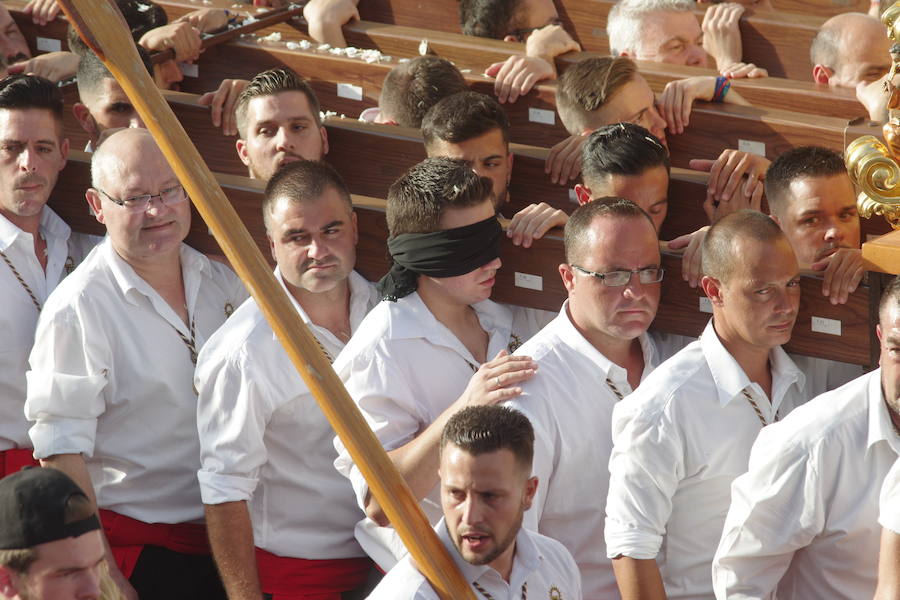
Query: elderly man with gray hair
x=849 y=49
x=668 y=31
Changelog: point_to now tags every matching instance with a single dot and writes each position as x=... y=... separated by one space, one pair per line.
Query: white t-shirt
x=111 y=378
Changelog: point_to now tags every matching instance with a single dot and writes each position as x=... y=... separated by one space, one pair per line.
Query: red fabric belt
x=127 y=537
x=301 y=579
x=12 y=460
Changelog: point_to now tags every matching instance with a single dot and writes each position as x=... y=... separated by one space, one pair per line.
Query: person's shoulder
x=557 y=561
x=673 y=380
x=88 y=282
x=831 y=414
x=245 y=328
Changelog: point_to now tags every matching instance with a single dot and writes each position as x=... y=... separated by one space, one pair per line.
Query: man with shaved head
x=686 y=433
x=110 y=390
x=850 y=48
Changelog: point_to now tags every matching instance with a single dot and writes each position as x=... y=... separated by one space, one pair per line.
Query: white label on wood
x=825 y=325
x=349 y=91
x=48 y=44
x=705 y=305
x=752 y=147
x=573 y=197
x=539 y=115
x=189 y=69
x=529 y=282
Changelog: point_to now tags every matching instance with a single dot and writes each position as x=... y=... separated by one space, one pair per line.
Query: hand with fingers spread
x=843 y=270
x=533 y=221
x=691 y=263
x=54 y=66
x=42 y=11
x=549 y=42
x=517 y=75
x=206 y=20
x=497 y=380
x=183 y=37
x=221 y=103
x=742 y=70
x=722 y=33
x=326 y=17
x=564 y=160
x=735 y=182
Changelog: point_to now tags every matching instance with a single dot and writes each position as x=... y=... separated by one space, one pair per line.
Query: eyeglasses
x=522 y=34
x=646 y=275
x=139 y=204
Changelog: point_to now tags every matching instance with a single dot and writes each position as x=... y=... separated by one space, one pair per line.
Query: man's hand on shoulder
x=533 y=221
x=843 y=271
x=326 y=17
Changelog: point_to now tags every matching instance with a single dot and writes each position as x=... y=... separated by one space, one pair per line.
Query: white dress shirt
x=404 y=368
x=112 y=379
x=541 y=564
x=679 y=441
x=264 y=439
x=889 y=502
x=806 y=511
x=570 y=405
x=19 y=315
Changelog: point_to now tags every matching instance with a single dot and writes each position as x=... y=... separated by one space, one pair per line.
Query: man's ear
x=84 y=118
x=93 y=199
x=712 y=287
x=531 y=487
x=567 y=273
x=241 y=147
x=822 y=74
x=8 y=582
x=583 y=194
x=510 y=38
x=324 y=133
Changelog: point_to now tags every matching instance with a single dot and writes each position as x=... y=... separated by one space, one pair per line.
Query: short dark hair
x=30 y=91
x=576 y=237
x=720 y=247
x=488 y=18
x=142 y=16
x=91 y=70
x=891 y=293
x=621 y=149
x=462 y=117
x=411 y=88
x=480 y=430
x=269 y=83
x=796 y=163
x=586 y=86
x=302 y=181
x=417 y=200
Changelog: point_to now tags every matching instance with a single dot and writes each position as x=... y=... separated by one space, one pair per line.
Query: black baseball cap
x=33 y=508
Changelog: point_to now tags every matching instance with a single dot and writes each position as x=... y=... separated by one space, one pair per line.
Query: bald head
x=122 y=151
x=850 y=48
x=722 y=248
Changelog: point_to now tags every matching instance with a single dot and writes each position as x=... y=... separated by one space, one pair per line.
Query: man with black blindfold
x=436 y=343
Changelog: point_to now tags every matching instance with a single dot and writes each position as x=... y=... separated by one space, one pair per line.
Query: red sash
x=127 y=538
x=12 y=460
x=301 y=579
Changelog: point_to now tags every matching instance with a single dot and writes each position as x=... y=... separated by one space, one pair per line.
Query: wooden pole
x=101 y=26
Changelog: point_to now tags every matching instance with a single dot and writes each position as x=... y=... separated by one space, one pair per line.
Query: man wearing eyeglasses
x=110 y=388
x=595 y=352
x=683 y=436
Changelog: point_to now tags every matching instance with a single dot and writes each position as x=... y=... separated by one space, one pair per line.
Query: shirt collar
x=731 y=379
x=880 y=426
x=51 y=226
x=526 y=559
x=569 y=335
x=127 y=280
x=360 y=293
x=419 y=322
